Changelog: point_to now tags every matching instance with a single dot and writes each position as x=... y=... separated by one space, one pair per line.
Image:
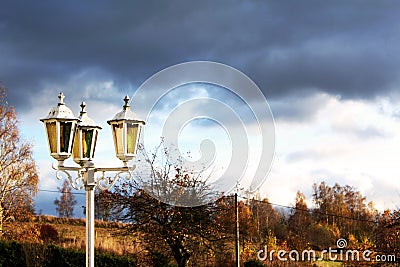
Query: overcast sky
x=329 y=69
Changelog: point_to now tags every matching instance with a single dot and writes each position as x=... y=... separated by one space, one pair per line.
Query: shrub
x=14 y=254
x=11 y=254
x=48 y=233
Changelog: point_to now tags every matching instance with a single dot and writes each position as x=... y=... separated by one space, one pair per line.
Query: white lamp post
x=68 y=136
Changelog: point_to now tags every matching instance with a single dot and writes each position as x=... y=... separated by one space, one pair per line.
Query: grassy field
x=71 y=233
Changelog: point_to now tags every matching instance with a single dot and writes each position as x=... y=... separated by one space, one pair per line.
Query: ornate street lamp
x=77 y=136
x=126 y=128
x=85 y=138
x=60 y=128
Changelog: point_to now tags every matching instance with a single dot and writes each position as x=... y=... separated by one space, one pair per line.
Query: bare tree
x=183 y=233
x=65 y=205
x=18 y=175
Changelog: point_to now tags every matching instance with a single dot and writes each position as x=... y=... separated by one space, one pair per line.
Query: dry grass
x=109 y=236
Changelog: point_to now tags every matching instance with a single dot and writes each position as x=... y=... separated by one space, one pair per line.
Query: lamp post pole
x=89 y=188
x=68 y=136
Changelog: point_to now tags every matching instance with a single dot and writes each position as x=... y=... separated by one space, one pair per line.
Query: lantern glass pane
x=87 y=138
x=96 y=132
x=132 y=133
x=52 y=136
x=76 y=146
x=118 y=138
x=65 y=134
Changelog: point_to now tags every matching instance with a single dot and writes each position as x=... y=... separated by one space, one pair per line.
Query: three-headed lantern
x=60 y=127
x=126 y=128
x=85 y=138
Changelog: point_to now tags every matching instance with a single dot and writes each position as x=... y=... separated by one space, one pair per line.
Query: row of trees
x=206 y=233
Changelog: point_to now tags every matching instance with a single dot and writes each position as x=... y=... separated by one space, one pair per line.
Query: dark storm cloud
x=298 y=107
x=350 y=48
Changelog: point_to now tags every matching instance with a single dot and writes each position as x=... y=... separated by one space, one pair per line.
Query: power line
x=311 y=211
x=57 y=191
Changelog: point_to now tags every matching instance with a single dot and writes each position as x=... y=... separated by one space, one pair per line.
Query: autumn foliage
x=18 y=175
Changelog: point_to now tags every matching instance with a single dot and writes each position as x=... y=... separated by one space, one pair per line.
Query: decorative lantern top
x=85 y=121
x=126 y=114
x=61 y=111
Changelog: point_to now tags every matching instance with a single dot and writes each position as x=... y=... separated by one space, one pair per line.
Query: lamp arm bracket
x=76 y=183
x=59 y=167
x=103 y=182
x=106 y=182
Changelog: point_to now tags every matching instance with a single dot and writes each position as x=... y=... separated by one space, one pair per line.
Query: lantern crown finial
x=61 y=97
x=83 y=107
x=126 y=106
